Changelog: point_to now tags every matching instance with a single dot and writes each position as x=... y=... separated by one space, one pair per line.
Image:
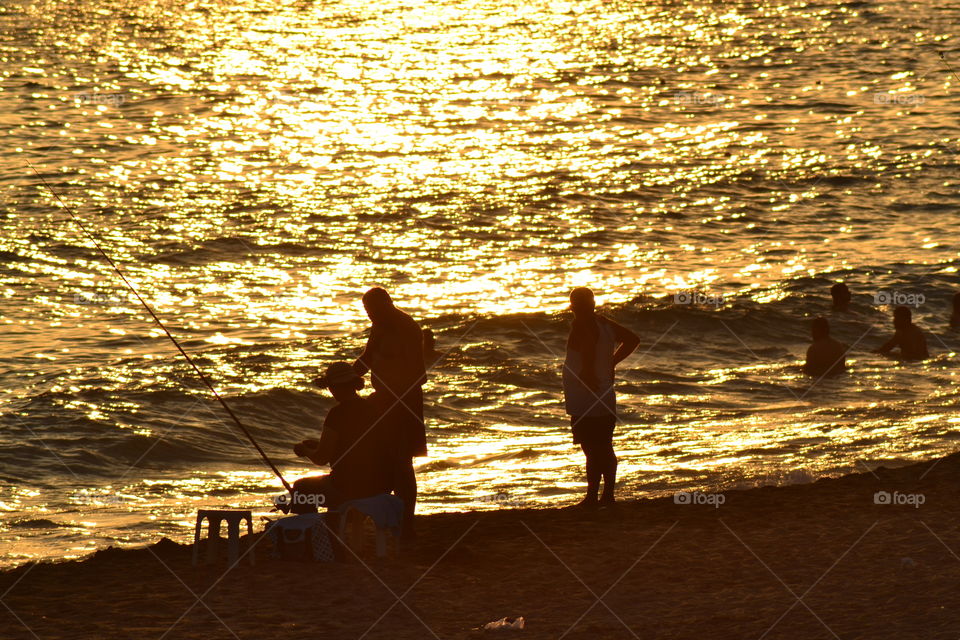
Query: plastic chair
x=214 y=517
x=384 y=510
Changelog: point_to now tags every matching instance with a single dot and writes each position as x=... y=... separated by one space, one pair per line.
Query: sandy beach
x=823 y=560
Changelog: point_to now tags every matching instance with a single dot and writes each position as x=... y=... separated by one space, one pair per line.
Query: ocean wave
x=740 y=350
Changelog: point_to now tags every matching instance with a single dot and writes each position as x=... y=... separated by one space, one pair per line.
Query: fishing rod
x=156 y=319
x=944 y=59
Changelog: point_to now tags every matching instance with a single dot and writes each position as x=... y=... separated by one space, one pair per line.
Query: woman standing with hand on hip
x=594 y=348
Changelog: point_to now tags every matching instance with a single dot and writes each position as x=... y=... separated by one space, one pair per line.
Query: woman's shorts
x=593 y=429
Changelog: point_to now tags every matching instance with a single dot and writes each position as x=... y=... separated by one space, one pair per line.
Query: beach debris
x=505 y=624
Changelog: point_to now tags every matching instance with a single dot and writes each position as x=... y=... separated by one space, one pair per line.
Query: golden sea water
x=255 y=166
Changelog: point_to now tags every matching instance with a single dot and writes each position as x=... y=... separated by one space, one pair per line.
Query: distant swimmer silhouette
x=430 y=353
x=594 y=348
x=394 y=357
x=841 y=297
x=354 y=442
x=825 y=356
x=955 y=316
x=907 y=336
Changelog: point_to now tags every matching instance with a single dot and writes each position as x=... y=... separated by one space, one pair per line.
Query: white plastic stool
x=386 y=512
x=354 y=537
x=214 y=517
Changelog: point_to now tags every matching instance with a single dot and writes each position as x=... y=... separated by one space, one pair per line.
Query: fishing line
x=146 y=306
x=944 y=58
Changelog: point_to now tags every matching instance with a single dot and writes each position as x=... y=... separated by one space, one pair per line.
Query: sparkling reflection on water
x=255 y=168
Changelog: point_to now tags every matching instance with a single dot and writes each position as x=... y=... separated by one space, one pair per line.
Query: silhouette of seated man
x=354 y=442
x=841 y=297
x=907 y=336
x=825 y=356
x=955 y=316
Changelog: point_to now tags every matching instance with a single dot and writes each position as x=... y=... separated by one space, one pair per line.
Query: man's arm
x=362 y=364
x=412 y=351
x=808 y=365
x=628 y=342
x=320 y=452
x=889 y=345
x=925 y=353
x=323 y=454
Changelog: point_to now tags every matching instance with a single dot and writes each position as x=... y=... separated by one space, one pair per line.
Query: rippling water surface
x=255 y=166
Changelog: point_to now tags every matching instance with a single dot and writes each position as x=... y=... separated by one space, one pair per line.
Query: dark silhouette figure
x=955 y=316
x=595 y=346
x=353 y=443
x=907 y=336
x=841 y=297
x=430 y=353
x=394 y=357
x=825 y=356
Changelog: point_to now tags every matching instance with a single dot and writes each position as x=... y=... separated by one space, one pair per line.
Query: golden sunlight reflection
x=254 y=167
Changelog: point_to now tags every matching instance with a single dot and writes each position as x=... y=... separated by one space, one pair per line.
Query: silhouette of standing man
x=394 y=357
x=595 y=346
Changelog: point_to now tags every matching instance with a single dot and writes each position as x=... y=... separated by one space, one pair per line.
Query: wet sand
x=822 y=560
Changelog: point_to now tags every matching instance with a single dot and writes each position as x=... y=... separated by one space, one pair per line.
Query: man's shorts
x=313 y=492
x=593 y=429
x=405 y=419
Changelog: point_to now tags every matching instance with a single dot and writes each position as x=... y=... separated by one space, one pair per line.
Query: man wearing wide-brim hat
x=354 y=442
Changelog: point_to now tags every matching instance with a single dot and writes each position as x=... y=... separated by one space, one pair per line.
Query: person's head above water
x=841 y=295
x=341 y=379
x=820 y=328
x=378 y=303
x=902 y=317
x=582 y=301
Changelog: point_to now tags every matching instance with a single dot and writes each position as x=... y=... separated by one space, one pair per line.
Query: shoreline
x=496 y=499
x=822 y=559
